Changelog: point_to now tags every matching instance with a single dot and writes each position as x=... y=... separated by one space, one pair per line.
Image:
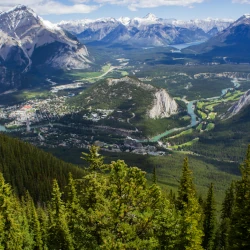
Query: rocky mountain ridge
x=147 y=31
x=164 y=105
x=27 y=41
x=239 y=105
x=231 y=44
x=128 y=93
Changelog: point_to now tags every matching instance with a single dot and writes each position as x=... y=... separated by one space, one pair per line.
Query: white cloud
x=241 y=1
x=137 y=4
x=45 y=7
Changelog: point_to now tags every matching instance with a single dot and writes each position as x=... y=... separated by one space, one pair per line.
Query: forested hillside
x=28 y=168
x=113 y=207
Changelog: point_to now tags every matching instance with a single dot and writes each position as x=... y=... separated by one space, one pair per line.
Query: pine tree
x=94 y=159
x=222 y=235
x=133 y=209
x=77 y=219
x=188 y=205
x=240 y=223
x=154 y=175
x=14 y=227
x=33 y=221
x=209 y=224
x=59 y=234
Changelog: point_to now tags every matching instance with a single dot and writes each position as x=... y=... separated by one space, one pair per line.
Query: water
x=190 y=110
x=2 y=128
x=236 y=85
x=194 y=122
x=185 y=45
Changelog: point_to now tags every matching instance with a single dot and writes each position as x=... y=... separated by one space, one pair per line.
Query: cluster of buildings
x=34 y=111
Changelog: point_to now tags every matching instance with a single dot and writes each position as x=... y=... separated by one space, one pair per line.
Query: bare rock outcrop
x=239 y=105
x=164 y=105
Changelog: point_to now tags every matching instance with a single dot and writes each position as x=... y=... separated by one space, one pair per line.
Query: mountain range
x=28 y=42
x=232 y=43
x=147 y=31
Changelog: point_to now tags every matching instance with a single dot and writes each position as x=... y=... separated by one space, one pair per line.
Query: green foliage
x=209 y=223
x=14 y=232
x=188 y=205
x=94 y=159
x=121 y=210
x=240 y=223
x=58 y=231
x=222 y=238
x=28 y=168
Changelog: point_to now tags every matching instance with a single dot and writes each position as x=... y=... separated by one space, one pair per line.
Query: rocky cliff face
x=240 y=105
x=147 y=31
x=29 y=42
x=164 y=105
x=128 y=94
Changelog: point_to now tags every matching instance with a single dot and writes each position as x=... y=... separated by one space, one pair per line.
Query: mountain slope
x=130 y=94
x=147 y=31
x=231 y=43
x=240 y=105
x=28 y=42
x=28 y=168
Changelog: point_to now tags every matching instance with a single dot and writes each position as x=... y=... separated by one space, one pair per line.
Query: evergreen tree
x=33 y=222
x=209 y=223
x=59 y=234
x=154 y=175
x=14 y=232
x=94 y=159
x=240 y=223
x=188 y=205
x=77 y=219
x=222 y=235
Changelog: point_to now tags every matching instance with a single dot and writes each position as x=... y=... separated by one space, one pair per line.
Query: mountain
x=28 y=42
x=28 y=168
x=232 y=43
x=207 y=25
x=147 y=31
x=243 y=103
x=128 y=93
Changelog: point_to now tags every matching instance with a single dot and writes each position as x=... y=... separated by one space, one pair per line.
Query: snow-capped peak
x=20 y=8
x=246 y=15
x=49 y=25
x=150 y=17
x=245 y=19
x=124 y=20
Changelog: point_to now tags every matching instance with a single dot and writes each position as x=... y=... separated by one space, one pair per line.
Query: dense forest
x=28 y=168
x=112 y=206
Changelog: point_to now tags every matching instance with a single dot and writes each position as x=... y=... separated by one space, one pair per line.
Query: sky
x=57 y=10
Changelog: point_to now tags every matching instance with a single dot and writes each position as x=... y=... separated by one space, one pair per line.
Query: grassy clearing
x=233 y=96
x=210 y=126
x=32 y=94
x=199 y=127
x=82 y=75
x=187 y=144
x=212 y=116
x=202 y=114
x=186 y=132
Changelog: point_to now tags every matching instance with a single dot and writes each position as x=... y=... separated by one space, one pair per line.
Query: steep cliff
x=128 y=93
x=240 y=105
x=164 y=105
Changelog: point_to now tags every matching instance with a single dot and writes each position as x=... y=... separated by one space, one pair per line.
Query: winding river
x=194 y=118
x=190 y=110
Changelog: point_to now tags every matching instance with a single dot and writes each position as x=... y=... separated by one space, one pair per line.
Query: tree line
x=112 y=206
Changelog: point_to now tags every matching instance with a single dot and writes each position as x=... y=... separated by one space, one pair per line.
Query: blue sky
x=57 y=10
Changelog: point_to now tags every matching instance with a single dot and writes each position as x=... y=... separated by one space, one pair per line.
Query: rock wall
x=238 y=106
x=164 y=105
